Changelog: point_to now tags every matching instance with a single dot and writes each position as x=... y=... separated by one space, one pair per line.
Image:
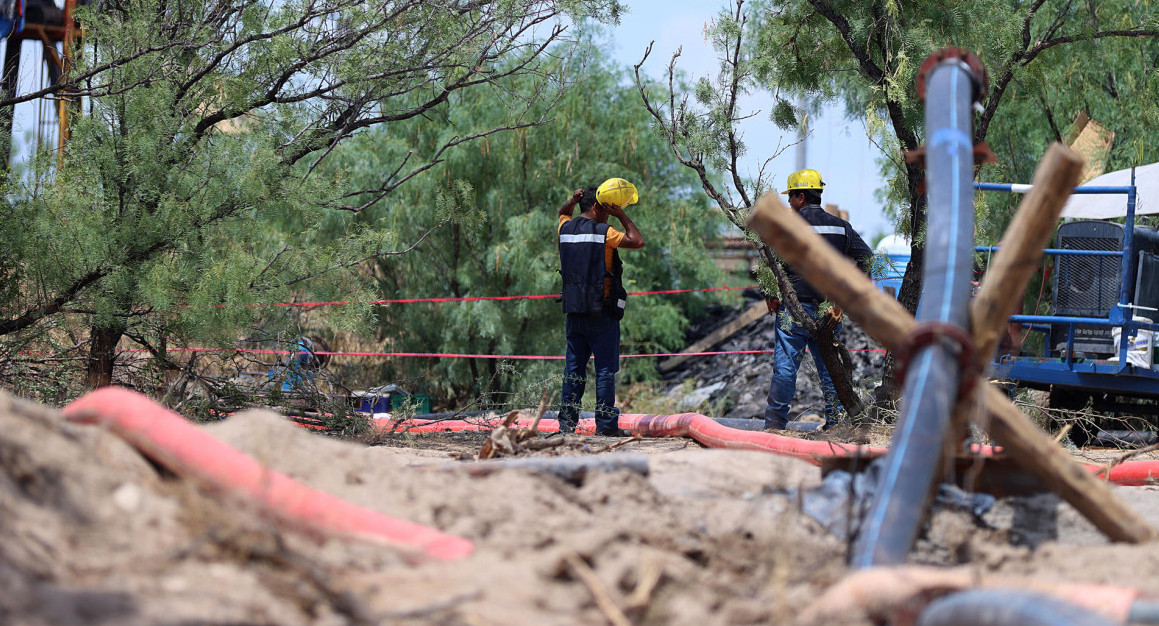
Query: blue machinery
x=1061 y=364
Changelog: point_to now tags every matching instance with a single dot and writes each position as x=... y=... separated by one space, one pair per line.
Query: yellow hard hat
x=804 y=179
x=617 y=191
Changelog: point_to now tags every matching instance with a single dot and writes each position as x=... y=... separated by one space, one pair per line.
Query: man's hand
x=569 y=207
x=833 y=316
x=632 y=236
x=614 y=210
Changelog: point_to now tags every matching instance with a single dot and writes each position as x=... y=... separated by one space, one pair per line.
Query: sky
x=837 y=148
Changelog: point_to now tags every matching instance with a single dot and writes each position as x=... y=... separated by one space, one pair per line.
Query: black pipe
x=1004 y=607
x=931 y=384
x=1143 y=612
x=740 y=423
x=1126 y=438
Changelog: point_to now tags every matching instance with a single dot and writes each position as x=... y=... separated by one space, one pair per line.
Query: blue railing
x=1118 y=316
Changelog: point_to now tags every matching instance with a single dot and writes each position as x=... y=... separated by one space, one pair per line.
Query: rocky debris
x=736 y=385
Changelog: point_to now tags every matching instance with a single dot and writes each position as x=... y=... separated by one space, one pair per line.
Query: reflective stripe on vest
x=596 y=238
x=829 y=230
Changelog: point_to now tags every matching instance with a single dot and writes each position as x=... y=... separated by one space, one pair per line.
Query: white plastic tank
x=894 y=254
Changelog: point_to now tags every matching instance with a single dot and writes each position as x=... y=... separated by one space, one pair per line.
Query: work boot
x=773 y=425
x=566 y=429
x=614 y=432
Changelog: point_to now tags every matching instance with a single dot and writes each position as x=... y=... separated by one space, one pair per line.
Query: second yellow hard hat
x=804 y=179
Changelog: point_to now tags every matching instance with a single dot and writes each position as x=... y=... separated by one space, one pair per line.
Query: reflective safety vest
x=840 y=235
x=582 y=264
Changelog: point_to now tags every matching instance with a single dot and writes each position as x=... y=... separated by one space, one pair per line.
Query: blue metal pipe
x=1061 y=251
x=1017 y=188
x=1007 y=607
x=1064 y=319
x=1125 y=282
x=931 y=386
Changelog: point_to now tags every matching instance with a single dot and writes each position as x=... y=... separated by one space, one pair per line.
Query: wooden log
x=1020 y=250
x=887 y=322
x=998 y=476
x=1036 y=451
x=1018 y=257
x=750 y=315
x=830 y=272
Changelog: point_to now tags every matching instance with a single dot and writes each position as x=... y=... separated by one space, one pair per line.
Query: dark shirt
x=841 y=236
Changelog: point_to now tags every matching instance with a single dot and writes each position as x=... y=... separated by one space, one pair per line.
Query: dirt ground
x=96 y=534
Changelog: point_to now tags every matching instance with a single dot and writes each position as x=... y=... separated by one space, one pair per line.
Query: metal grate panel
x=1087 y=286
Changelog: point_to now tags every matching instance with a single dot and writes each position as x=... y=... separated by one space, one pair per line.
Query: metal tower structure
x=51 y=27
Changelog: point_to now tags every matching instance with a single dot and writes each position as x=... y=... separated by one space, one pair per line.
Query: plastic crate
x=419 y=402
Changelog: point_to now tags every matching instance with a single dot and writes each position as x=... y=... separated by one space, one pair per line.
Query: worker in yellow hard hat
x=804 y=191
x=594 y=297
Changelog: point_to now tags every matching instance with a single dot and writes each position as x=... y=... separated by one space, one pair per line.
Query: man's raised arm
x=632 y=236
x=569 y=206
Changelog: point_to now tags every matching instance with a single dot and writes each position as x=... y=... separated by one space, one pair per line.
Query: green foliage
x=189 y=195
x=505 y=191
x=784 y=116
x=1072 y=58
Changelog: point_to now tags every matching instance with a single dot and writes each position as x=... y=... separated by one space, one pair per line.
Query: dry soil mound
x=94 y=534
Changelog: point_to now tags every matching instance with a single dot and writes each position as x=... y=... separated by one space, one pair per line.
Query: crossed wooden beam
x=891 y=325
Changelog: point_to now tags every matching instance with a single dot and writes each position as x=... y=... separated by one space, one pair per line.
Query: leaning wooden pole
x=884 y=319
x=1020 y=251
x=1018 y=257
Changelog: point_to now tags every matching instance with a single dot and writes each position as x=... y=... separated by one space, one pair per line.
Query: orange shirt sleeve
x=563 y=219
x=614 y=238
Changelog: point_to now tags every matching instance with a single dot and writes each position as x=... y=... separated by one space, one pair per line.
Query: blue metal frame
x=1065 y=370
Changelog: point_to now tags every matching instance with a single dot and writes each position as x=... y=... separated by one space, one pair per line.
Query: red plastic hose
x=714 y=435
x=189 y=451
x=699 y=427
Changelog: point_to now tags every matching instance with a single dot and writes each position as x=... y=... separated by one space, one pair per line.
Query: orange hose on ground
x=1129 y=474
x=703 y=429
x=189 y=451
x=715 y=435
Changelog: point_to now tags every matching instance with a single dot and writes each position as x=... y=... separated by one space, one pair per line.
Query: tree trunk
x=102 y=355
x=886 y=394
x=832 y=352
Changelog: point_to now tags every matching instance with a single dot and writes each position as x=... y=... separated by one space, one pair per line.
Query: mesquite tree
x=1047 y=60
x=507 y=246
x=204 y=130
x=705 y=137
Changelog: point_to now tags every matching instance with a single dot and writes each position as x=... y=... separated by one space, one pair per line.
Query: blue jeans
x=587 y=336
x=787 y=355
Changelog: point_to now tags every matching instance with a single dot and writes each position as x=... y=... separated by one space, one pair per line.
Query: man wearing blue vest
x=805 y=198
x=594 y=297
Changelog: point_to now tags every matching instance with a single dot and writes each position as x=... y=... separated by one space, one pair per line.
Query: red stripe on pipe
x=188 y=450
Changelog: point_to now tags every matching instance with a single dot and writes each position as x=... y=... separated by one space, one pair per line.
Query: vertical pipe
x=1122 y=313
x=8 y=78
x=1128 y=244
x=65 y=105
x=931 y=385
